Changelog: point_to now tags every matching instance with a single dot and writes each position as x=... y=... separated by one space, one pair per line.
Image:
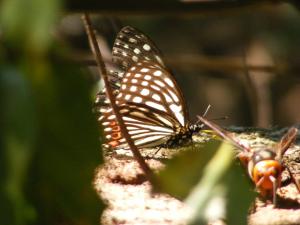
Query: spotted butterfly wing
x=149 y=99
x=131 y=46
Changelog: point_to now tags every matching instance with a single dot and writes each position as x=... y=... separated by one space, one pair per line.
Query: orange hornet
x=265 y=165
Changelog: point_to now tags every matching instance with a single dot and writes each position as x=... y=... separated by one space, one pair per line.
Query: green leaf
x=240 y=195
x=28 y=24
x=206 y=173
x=51 y=145
x=19 y=130
x=212 y=178
x=67 y=150
x=184 y=170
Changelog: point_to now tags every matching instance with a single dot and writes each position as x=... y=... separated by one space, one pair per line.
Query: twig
x=137 y=7
x=102 y=70
x=259 y=84
x=193 y=62
x=251 y=92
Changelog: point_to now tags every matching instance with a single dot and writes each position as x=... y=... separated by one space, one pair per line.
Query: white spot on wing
x=145 y=92
x=145 y=83
x=155 y=87
x=127 y=97
x=132 y=40
x=156 y=128
x=137 y=99
x=137 y=131
x=157 y=73
x=156 y=106
x=126 y=118
x=173 y=96
x=168 y=98
x=146 y=47
x=137 y=51
x=165 y=121
x=169 y=82
x=158 y=82
x=124 y=111
x=156 y=97
x=159 y=59
x=133 y=88
x=146 y=135
x=177 y=112
x=134 y=58
x=131 y=128
x=144 y=70
x=147 y=77
x=148 y=139
x=111 y=117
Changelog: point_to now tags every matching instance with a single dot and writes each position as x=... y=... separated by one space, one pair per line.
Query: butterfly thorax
x=183 y=136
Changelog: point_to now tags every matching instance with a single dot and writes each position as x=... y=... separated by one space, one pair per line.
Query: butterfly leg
x=158 y=149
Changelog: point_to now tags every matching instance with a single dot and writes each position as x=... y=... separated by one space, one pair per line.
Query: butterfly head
x=195 y=127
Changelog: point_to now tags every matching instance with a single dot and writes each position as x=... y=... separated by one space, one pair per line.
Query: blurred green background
x=49 y=137
x=244 y=63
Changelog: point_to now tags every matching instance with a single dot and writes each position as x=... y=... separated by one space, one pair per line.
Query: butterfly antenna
x=206 y=110
x=221 y=132
x=220 y=118
x=214 y=119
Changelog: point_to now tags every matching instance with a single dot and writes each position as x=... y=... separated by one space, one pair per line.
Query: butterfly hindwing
x=150 y=85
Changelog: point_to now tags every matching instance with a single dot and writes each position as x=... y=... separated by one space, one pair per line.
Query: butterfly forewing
x=132 y=46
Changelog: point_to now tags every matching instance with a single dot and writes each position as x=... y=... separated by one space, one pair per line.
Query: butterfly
x=265 y=165
x=148 y=97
